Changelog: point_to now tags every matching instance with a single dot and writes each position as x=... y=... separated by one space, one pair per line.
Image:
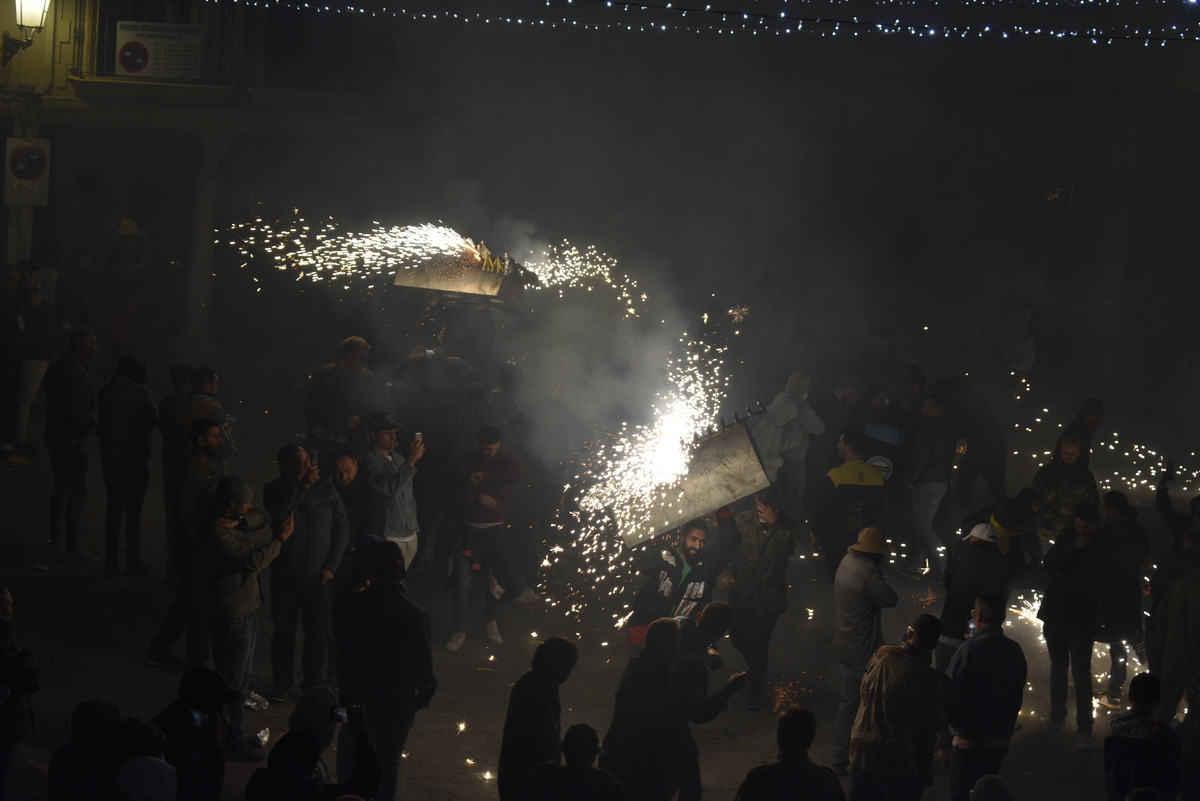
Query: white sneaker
x=493 y=633
x=527 y=597
x=456 y=641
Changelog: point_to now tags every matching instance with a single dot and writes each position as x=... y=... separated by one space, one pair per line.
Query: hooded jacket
x=321 y=533
x=759 y=565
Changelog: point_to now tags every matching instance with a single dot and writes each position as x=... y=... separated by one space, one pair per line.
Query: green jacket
x=759 y=565
x=230 y=564
x=1062 y=487
x=1176 y=621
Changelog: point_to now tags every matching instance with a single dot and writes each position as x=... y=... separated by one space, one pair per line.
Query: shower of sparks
x=739 y=313
x=567 y=267
x=322 y=252
x=925 y=599
x=785 y=695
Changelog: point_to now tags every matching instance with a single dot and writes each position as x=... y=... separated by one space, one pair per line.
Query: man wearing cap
x=987 y=687
x=191 y=726
x=903 y=706
x=393 y=475
x=230 y=565
x=302 y=576
x=860 y=593
x=976 y=567
x=757 y=582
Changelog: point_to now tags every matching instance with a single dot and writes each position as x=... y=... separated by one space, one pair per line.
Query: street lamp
x=31 y=16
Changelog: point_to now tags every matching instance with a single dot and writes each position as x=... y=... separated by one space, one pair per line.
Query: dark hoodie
x=86 y=767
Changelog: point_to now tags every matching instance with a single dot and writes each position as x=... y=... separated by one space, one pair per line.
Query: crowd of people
x=412 y=476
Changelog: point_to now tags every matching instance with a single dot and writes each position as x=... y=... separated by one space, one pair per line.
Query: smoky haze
x=829 y=187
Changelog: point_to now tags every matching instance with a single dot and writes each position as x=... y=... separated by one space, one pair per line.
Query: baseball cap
x=382 y=421
x=984 y=531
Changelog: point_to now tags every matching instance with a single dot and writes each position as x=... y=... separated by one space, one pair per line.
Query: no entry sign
x=27 y=172
x=158 y=50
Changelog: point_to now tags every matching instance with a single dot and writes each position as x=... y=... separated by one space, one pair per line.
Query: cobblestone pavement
x=90 y=633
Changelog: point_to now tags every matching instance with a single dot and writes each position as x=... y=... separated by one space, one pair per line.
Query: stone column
x=196 y=341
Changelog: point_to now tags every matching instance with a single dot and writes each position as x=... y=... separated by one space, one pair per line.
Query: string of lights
x=1027 y=18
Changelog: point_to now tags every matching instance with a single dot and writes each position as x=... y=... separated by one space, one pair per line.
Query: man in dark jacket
x=577 y=779
x=366 y=515
x=987 y=687
x=229 y=569
x=532 y=726
x=1174 y=522
x=1077 y=564
x=127 y=416
x=645 y=719
x=385 y=661
x=291 y=772
x=70 y=420
x=757 y=582
x=1171 y=566
x=39 y=345
x=341 y=399
x=195 y=482
x=1140 y=751
x=927 y=478
x=852 y=498
x=794 y=777
x=192 y=725
x=860 y=592
x=301 y=576
x=479 y=483
x=976 y=567
x=681 y=574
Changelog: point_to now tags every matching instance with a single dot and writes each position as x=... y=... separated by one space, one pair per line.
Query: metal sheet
x=725 y=468
x=451 y=278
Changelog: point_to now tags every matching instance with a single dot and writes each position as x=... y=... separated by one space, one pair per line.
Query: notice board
x=158 y=50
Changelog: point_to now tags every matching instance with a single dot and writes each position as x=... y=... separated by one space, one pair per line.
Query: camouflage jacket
x=1062 y=487
x=759 y=565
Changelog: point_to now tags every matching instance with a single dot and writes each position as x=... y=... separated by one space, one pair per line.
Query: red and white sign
x=27 y=172
x=158 y=50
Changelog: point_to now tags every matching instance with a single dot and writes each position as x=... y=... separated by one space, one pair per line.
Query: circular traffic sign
x=28 y=161
x=134 y=57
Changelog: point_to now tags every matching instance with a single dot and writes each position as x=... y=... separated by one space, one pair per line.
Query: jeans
x=490 y=549
x=389 y=732
x=925 y=501
x=792 y=475
x=32 y=372
x=233 y=657
x=307 y=601
x=126 y=486
x=186 y=613
x=968 y=766
x=1074 y=648
x=852 y=676
x=750 y=633
x=1117 y=672
x=867 y=787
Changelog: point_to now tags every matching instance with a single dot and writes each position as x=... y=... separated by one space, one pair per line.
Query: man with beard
x=195 y=482
x=1063 y=484
x=681 y=576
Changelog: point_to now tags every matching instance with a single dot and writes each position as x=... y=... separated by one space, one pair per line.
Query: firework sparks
x=567 y=267
x=739 y=313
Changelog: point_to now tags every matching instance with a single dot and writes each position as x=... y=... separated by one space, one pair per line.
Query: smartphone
x=198 y=718
x=337 y=714
x=417 y=435
x=970 y=627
